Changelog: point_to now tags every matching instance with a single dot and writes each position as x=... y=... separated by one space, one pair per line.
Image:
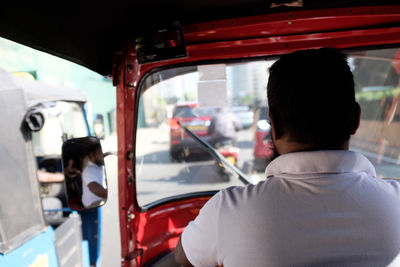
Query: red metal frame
x=247 y=37
x=126 y=94
x=165 y=229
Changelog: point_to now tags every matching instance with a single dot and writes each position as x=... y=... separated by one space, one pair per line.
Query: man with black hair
x=321 y=204
x=94 y=190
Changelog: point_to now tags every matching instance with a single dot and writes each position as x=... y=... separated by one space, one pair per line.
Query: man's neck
x=284 y=146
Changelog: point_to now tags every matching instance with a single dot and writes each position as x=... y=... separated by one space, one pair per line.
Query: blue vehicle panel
x=39 y=251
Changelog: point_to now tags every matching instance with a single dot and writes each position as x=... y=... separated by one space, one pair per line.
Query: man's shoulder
x=390 y=185
x=243 y=193
x=92 y=169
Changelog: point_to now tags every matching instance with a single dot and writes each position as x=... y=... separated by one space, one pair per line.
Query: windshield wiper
x=221 y=159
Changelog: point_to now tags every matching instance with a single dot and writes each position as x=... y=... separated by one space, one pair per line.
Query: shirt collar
x=318 y=162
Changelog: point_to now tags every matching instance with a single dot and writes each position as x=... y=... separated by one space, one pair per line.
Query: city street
x=158 y=177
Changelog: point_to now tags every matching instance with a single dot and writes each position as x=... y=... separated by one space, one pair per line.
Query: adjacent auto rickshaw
x=37 y=225
x=214 y=54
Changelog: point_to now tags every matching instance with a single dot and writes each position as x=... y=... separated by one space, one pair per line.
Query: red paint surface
x=262 y=148
x=159 y=229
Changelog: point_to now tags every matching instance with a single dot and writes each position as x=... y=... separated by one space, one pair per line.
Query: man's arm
x=70 y=170
x=198 y=241
x=180 y=256
x=97 y=189
x=49 y=177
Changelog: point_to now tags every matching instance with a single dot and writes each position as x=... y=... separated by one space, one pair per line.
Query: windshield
x=170 y=163
x=63 y=120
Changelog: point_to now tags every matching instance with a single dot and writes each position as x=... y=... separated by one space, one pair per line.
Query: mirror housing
x=34 y=119
x=263 y=125
x=84 y=173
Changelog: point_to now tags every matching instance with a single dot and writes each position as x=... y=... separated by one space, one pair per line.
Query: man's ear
x=275 y=130
x=356 y=120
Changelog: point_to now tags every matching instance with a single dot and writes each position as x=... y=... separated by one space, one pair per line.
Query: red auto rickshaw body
x=148 y=233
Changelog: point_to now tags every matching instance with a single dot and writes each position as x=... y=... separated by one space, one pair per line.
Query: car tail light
x=173 y=123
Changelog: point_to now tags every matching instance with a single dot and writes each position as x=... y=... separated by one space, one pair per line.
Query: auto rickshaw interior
x=164 y=175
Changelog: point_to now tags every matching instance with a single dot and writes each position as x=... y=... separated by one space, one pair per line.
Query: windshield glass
x=62 y=120
x=169 y=162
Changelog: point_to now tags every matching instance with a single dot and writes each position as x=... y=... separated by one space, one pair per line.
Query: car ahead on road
x=263 y=147
x=195 y=119
x=245 y=116
x=213 y=47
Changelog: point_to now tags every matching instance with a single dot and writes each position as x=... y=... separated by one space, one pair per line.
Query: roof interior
x=90 y=32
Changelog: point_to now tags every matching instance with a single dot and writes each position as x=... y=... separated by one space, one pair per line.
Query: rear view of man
x=321 y=205
x=223 y=126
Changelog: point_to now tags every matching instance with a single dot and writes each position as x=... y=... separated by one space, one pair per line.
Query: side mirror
x=263 y=125
x=34 y=119
x=84 y=173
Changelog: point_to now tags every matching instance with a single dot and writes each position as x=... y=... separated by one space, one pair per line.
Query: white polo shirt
x=92 y=173
x=320 y=208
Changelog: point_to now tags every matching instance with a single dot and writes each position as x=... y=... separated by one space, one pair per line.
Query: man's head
x=95 y=154
x=311 y=99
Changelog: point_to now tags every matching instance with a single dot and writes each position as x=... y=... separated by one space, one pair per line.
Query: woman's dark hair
x=311 y=97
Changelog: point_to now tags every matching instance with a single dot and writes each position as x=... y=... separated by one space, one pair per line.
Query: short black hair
x=311 y=97
x=93 y=148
